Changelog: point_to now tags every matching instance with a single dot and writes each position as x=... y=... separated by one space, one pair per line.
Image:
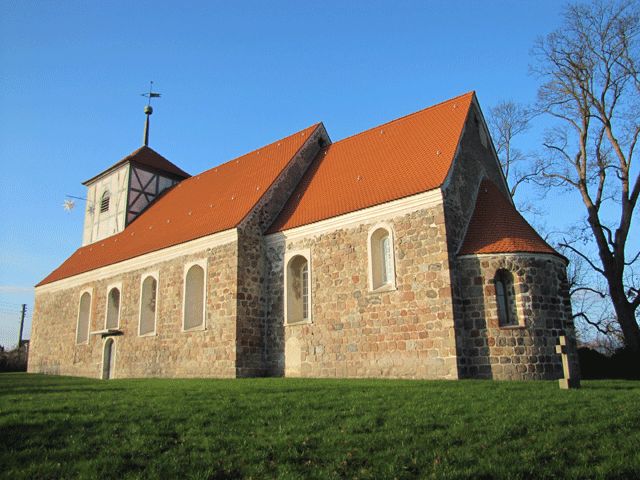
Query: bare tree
x=593 y=314
x=592 y=88
x=508 y=120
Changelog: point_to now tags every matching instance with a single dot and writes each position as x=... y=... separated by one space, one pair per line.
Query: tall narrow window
x=148 y=298
x=113 y=308
x=297 y=290
x=104 y=202
x=381 y=266
x=194 y=298
x=84 y=314
x=505 y=299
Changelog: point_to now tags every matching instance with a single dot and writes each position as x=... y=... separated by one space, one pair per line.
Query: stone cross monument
x=567 y=381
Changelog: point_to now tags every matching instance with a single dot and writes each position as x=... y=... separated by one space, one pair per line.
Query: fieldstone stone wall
x=523 y=352
x=407 y=332
x=251 y=305
x=210 y=352
x=475 y=160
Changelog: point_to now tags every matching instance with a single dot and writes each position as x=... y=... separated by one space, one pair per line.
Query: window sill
x=194 y=329
x=153 y=334
x=301 y=322
x=107 y=332
x=512 y=327
x=384 y=288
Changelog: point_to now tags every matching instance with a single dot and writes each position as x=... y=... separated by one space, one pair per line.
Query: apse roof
x=497 y=227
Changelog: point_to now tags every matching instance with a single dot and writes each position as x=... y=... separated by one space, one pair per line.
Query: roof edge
x=403 y=117
x=554 y=253
x=130 y=158
x=178 y=249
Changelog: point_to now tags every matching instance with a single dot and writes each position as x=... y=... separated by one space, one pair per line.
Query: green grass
x=60 y=427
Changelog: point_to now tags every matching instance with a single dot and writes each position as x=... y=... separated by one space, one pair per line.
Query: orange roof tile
x=211 y=202
x=150 y=158
x=497 y=227
x=409 y=155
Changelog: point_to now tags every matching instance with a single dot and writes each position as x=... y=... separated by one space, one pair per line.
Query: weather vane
x=148 y=110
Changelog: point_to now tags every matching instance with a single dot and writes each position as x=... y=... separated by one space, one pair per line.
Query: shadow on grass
x=627 y=385
x=39 y=390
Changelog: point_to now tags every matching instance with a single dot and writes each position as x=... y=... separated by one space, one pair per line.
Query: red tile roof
x=409 y=155
x=148 y=157
x=497 y=227
x=211 y=202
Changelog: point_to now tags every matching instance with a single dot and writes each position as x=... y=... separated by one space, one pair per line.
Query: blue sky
x=233 y=76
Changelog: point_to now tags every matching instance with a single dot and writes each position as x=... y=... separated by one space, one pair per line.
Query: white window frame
x=288 y=256
x=156 y=276
x=82 y=292
x=391 y=283
x=111 y=286
x=203 y=264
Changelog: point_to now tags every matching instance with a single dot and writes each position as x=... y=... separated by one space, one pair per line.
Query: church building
x=396 y=252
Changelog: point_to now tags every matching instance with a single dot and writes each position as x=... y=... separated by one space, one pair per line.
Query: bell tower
x=123 y=191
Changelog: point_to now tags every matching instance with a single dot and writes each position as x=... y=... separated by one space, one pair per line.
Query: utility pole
x=23 y=314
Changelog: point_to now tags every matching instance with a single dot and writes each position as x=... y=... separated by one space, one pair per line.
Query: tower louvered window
x=104 y=202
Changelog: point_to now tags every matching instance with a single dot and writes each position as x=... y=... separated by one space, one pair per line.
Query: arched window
x=113 y=308
x=84 y=315
x=104 y=202
x=298 y=289
x=194 y=298
x=148 y=299
x=381 y=264
x=505 y=299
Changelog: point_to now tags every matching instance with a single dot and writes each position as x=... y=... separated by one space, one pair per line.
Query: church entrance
x=108 y=359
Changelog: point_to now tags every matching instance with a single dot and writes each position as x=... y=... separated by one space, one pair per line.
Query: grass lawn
x=61 y=427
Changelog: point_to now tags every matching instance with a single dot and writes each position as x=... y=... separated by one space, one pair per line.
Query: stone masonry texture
x=526 y=351
x=407 y=332
x=170 y=352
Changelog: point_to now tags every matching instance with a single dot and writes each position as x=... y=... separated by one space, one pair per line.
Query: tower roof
x=147 y=157
x=497 y=227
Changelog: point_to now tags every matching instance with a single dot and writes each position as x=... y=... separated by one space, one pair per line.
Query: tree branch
x=584 y=257
x=596 y=325
x=588 y=289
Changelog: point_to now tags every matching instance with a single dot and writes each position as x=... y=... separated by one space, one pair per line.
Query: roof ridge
x=314 y=126
x=404 y=117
